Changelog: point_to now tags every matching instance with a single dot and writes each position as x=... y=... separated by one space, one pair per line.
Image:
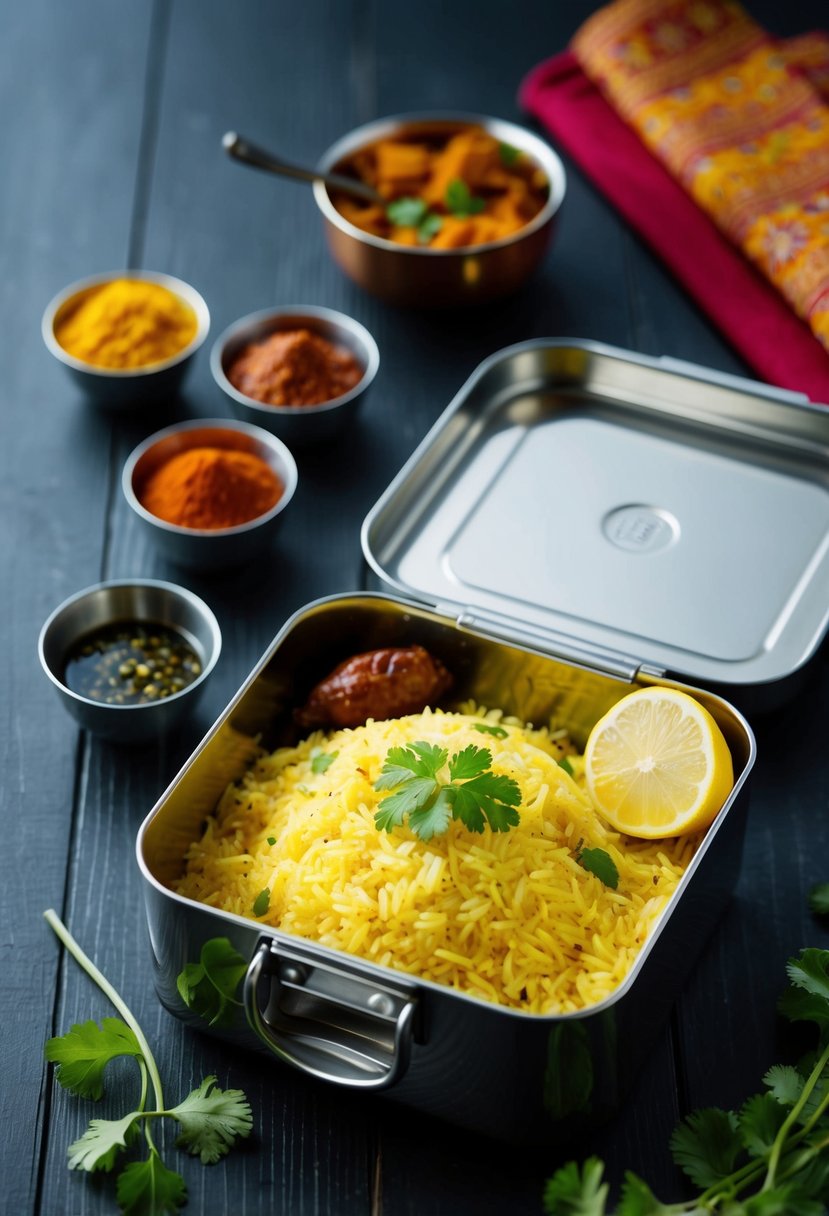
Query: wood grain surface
x=113 y=121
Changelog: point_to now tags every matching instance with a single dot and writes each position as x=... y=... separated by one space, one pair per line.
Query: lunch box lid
x=623 y=512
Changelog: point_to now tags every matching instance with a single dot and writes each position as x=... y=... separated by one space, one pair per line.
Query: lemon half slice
x=657 y=764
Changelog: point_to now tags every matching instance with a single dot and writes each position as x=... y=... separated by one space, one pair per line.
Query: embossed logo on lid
x=640 y=529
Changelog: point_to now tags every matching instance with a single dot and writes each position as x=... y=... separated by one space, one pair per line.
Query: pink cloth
x=744 y=307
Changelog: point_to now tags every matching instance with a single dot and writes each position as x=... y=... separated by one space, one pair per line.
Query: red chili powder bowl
x=300 y=372
x=294 y=367
x=211 y=487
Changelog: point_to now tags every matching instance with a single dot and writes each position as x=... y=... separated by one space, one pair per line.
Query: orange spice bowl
x=209 y=547
x=297 y=424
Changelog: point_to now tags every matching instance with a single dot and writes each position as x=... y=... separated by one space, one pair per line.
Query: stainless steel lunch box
x=597 y=466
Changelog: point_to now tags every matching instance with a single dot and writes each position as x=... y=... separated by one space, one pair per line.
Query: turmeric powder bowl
x=468 y=207
x=127 y=337
x=210 y=493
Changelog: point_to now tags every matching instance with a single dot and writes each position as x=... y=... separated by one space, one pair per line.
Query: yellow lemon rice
x=509 y=917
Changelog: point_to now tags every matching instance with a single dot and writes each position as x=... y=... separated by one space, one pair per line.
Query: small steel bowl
x=297 y=424
x=439 y=278
x=215 y=548
x=129 y=600
x=121 y=388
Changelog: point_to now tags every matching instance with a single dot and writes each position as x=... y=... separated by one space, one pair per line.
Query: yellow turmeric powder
x=126 y=323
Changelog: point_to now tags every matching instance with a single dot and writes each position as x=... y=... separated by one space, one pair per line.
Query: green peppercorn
x=131 y=664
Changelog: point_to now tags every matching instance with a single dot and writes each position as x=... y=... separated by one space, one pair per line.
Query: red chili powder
x=294 y=367
x=210 y=488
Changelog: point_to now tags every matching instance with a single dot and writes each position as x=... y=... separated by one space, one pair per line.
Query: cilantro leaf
x=785 y=1083
x=487 y=729
x=407 y=212
x=497 y=796
x=469 y=763
x=84 y=1051
x=807 y=999
x=467 y=807
x=100 y=1144
x=460 y=201
x=420 y=759
x=759 y=1121
x=819 y=899
x=787 y=1200
x=566 y=765
x=600 y=863
x=322 y=761
x=638 y=1199
x=262 y=902
x=271 y=840
x=148 y=1188
x=415 y=795
x=208 y=987
x=706 y=1145
x=431 y=758
x=211 y=1119
x=433 y=818
x=574 y=1191
x=430 y=227
x=508 y=154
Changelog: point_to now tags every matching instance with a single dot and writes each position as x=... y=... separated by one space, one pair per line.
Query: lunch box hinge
x=327 y=1020
x=604 y=662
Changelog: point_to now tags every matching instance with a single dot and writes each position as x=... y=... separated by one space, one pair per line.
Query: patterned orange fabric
x=740 y=119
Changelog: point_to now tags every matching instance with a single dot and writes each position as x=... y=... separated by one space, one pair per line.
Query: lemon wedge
x=657 y=764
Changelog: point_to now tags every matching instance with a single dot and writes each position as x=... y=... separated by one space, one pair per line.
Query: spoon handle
x=249 y=154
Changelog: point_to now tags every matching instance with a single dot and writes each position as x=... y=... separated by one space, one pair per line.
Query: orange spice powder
x=210 y=488
x=294 y=367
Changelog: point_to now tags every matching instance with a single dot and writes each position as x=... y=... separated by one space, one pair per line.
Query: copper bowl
x=439 y=278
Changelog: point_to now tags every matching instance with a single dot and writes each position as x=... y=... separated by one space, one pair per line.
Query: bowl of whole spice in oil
x=299 y=372
x=129 y=658
x=127 y=337
x=210 y=493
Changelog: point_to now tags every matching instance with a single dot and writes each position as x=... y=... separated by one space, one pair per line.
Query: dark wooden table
x=113 y=118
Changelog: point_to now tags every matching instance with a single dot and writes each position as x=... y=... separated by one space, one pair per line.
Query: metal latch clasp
x=329 y=1021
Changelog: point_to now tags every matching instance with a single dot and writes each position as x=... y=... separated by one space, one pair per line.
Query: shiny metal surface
x=129 y=600
x=621 y=511
x=297 y=424
x=247 y=153
x=440 y=278
x=493 y=1069
x=366 y=1044
x=123 y=388
x=215 y=548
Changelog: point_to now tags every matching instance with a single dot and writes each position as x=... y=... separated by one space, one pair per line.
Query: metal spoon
x=240 y=149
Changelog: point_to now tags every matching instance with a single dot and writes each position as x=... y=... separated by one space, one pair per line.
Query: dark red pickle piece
x=379 y=684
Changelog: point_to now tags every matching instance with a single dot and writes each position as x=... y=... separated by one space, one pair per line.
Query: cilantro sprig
x=769 y=1158
x=210 y=1120
x=414 y=213
x=474 y=794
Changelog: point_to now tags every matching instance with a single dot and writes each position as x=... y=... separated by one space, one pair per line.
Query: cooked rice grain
x=508 y=917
